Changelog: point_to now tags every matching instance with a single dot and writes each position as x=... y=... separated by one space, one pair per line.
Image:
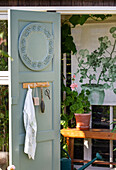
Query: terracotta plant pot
x=82 y=121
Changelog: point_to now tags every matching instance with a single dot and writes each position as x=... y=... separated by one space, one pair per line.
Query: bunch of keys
x=47 y=93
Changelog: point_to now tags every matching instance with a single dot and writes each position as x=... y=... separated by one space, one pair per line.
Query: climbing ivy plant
x=67 y=43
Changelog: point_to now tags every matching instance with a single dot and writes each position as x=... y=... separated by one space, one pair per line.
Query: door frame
x=63 y=10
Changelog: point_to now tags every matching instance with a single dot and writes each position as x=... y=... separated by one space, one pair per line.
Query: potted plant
x=99 y=68
x=79 y=106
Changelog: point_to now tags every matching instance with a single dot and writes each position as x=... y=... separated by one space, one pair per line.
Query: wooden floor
x=94 y=168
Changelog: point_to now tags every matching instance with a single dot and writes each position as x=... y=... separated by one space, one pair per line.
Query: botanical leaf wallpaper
x=95 y=62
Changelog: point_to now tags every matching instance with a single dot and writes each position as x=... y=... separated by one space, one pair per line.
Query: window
x=4 y=94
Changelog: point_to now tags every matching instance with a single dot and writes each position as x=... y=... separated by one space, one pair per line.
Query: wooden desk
x=72 y=133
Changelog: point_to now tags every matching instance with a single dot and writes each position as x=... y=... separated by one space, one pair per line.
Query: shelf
x=91 y=133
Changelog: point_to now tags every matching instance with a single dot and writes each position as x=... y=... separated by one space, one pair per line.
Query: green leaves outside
x=67 y=44
x=4 y=118
x=78 y=103
x=67 y=41
x=81 y=19
x=78 y=19
x=100 y=17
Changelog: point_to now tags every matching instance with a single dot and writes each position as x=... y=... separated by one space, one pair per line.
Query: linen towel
x=30 y=125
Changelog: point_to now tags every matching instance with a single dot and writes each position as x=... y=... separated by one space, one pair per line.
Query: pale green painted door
x=34 y=45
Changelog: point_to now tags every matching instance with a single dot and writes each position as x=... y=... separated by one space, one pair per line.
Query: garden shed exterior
x=63 y=10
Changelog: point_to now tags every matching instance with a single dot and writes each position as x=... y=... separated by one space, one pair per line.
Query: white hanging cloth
x=30 y=125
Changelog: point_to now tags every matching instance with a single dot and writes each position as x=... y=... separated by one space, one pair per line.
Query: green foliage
x=81 y=19
x=4 y=118
x=78 y=19
x=64 y=146
x=104 y=57
x=100 y=17
x=3 y=45
x=77 y=103
x=67 y=43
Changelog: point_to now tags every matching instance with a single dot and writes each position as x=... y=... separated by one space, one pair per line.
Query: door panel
x=50 y=27
x=47 y=155
x=43 y=147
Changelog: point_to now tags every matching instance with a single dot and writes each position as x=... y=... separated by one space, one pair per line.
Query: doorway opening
x=85 y=36
x=68 y=72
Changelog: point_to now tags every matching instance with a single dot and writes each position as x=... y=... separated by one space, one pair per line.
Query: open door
x=34 y=45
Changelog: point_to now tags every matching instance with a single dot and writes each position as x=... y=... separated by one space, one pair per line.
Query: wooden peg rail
x=34 y=85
